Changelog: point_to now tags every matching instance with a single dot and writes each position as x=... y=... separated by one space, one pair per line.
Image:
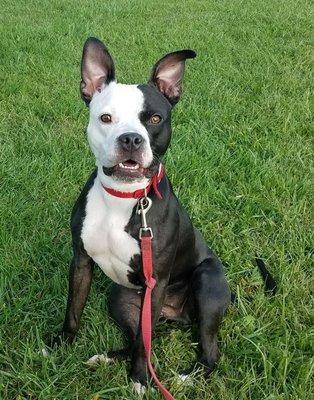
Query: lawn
x=240 y=161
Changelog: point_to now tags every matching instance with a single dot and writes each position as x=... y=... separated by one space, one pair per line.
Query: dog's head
x=130 y=125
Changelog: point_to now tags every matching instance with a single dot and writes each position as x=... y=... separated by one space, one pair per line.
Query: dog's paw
x=98 y=359
x=139 y=388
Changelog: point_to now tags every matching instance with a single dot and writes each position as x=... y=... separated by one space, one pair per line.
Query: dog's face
x=130 y=125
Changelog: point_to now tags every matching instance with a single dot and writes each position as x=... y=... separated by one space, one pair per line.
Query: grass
x=240 y=161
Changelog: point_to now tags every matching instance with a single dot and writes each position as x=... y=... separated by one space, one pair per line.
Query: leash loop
x=150 y=283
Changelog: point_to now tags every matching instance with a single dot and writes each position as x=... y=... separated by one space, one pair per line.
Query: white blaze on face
x=124 y=103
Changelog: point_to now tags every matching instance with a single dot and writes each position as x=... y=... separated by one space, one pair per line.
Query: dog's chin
x=129 y=171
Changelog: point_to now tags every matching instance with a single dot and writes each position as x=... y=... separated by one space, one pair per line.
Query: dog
x=129 y=131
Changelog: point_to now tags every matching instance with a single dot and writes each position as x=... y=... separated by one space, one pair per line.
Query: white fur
x=45 y=352
x=124 y=103
x=99 y=359
x=186 y=379
x=103 y=234
x=139 y=388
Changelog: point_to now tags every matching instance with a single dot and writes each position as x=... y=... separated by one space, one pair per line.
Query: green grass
x=240 y=161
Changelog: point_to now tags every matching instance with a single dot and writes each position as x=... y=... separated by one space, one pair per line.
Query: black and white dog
x=129 y=131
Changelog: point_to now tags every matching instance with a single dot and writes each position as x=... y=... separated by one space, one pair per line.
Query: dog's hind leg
x=212 y=297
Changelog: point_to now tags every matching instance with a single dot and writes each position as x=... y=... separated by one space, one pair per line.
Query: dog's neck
x=113 y=201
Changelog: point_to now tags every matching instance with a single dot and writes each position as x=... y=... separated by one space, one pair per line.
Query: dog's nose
x=130 y=141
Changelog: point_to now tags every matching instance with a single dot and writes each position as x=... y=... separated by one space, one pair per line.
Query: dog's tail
x=269 y=281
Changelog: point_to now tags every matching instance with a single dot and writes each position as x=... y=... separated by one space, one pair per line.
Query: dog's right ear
x=97 y=68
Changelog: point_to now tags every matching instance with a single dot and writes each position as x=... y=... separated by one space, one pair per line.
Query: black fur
x=269 y=281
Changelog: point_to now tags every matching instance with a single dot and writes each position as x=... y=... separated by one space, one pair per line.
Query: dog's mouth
x=127 y=170
x=132 y=169
x=129 y=165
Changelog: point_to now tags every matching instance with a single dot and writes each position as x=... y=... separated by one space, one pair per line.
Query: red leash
x=146 y=236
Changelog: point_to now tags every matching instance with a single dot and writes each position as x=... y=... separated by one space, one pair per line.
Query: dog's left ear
x=168 y=73
x=97 y=68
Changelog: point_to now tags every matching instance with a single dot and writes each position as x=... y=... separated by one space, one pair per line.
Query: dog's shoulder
x=79 y=209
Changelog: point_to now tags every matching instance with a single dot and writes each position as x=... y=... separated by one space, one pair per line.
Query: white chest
x=104 y=237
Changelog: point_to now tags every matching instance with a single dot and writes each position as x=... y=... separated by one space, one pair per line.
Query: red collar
x=155 y=180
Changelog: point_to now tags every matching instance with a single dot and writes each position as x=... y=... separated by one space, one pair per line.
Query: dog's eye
x=155 y=119
x=106 y=118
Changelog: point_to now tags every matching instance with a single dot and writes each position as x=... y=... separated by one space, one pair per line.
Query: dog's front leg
x=81 y=273
x=139 y=373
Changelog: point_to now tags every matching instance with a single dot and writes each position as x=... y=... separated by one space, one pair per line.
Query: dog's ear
x=97 y=68
x=168 y=73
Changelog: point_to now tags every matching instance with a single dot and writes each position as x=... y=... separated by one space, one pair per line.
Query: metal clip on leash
x=144 y=205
